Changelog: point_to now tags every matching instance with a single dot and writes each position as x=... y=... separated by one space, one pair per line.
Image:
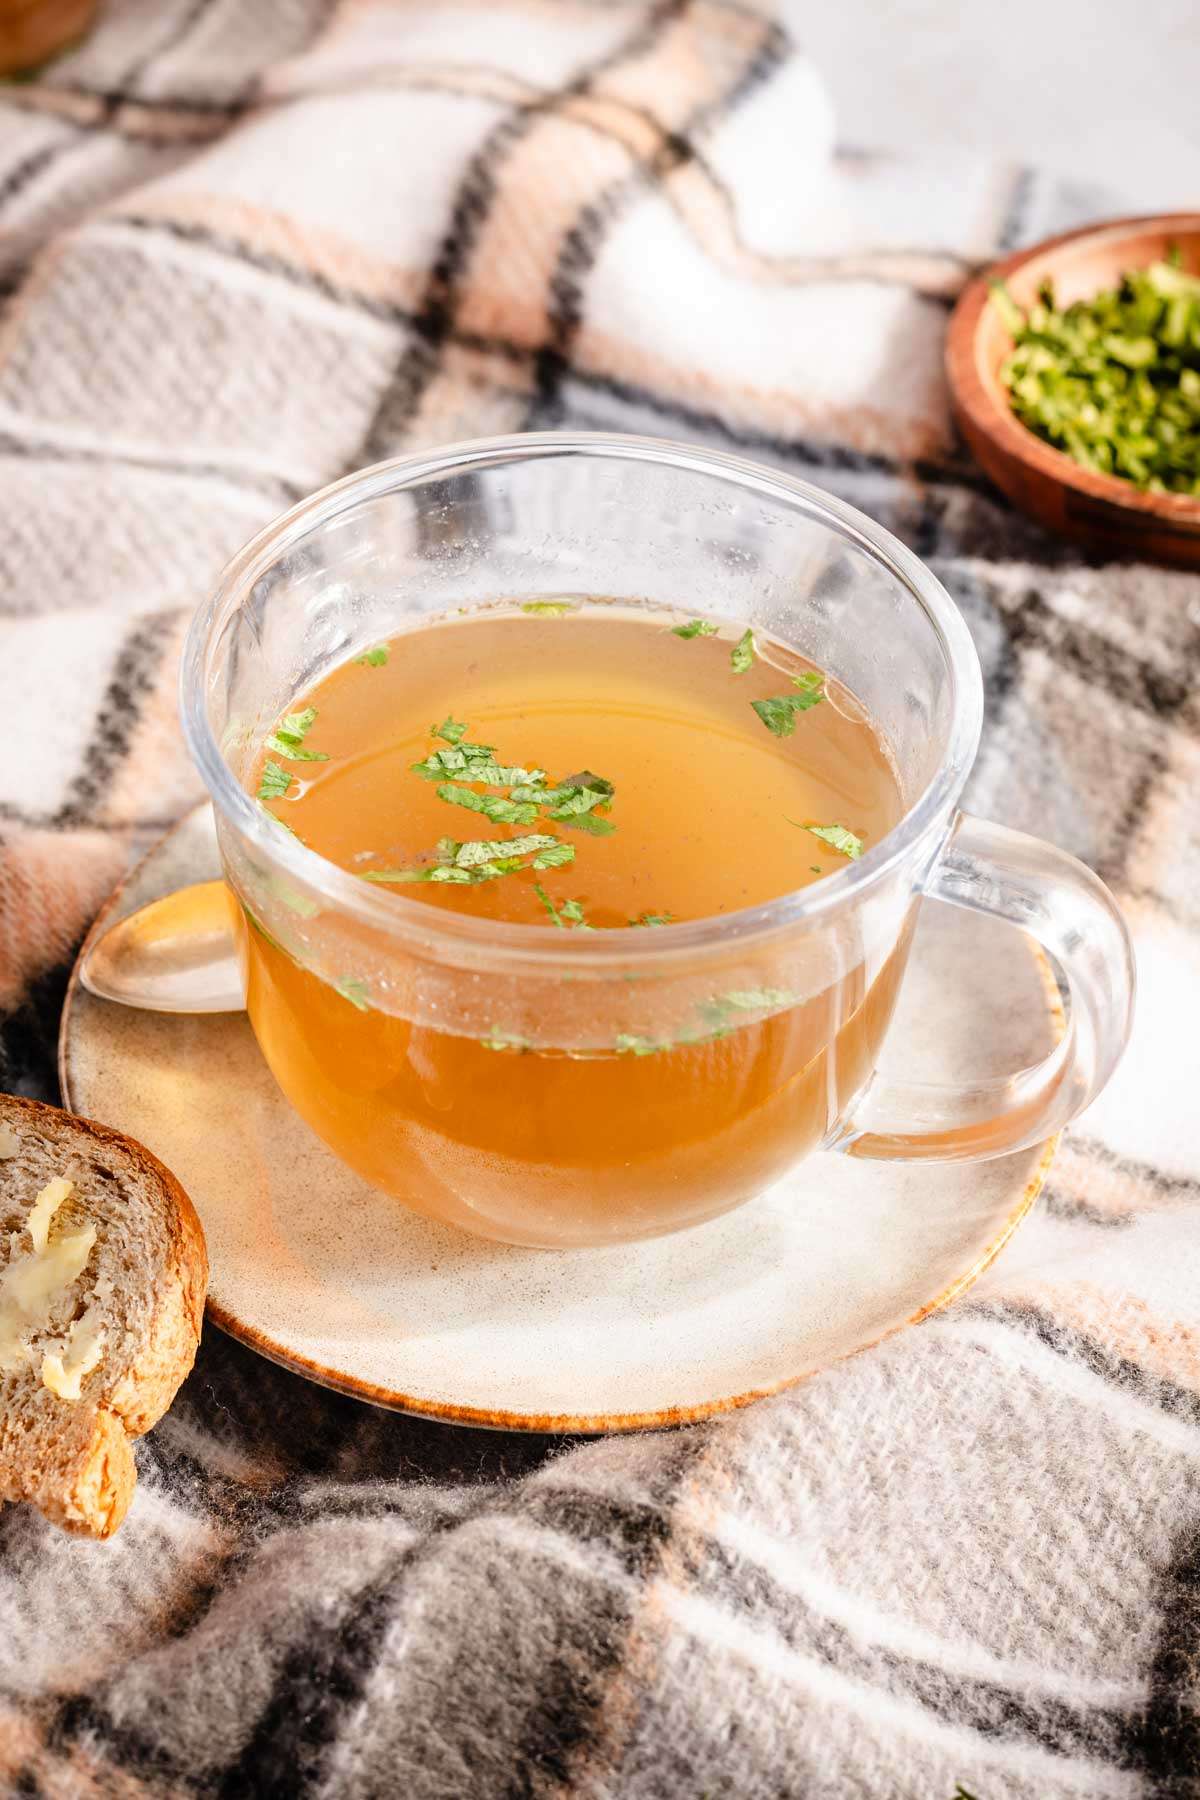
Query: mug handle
x=1056 y=899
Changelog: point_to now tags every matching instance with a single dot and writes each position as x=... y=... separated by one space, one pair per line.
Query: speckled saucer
x=339 y=1282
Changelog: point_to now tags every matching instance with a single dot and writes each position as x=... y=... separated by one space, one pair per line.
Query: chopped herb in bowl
x=1114 y=380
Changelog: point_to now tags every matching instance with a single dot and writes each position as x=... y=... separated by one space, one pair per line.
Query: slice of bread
x=103 y=1273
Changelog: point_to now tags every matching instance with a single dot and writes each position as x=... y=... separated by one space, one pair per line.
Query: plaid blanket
x=245 y=248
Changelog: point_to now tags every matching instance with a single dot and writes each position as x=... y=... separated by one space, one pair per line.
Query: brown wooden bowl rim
x=995 y=420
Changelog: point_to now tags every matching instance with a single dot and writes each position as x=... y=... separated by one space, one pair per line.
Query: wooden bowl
x=1101 y=511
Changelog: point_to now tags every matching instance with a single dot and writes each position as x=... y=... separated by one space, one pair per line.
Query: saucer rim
x=502 y=1419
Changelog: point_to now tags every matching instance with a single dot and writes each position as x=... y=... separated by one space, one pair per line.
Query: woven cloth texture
x=245 y=248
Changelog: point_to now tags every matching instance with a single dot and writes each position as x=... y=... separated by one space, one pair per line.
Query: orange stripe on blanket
x=309 y=250
x=774 y=411
x=1104 y=1186
x=573 y=156
x=155 y=777
x=51 y=886
x=1165 y=1348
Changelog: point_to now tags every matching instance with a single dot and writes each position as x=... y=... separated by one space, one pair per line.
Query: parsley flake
x=569 y=913
x=287 y=739
x=549 y=609
x=450 y=729
x=556 y=858
x=628 y=1043
x=695 y=628
x=504 y=1040
x=743 y=653
x=374 y=659
x=652 y=919
x=499 y=811
x=778 y=713
x=837 y=837
x=274 y=782
x=276 y=820
x=355 y=992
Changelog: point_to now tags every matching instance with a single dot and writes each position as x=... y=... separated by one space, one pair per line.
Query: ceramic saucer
x=339 y=1282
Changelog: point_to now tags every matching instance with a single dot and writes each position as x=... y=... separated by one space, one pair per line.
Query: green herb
x=716 y=1010
x=441 y=872
x=569 y=913
x=499 y=811
x=256 y=924
x=778 y=713
x=651 y=919
x=473 y=762
x=483 y=859
x=355 y=992
x=629 y=1044
x=276 y=820
x=288 y=737
x=743 y=653
x=274 y=782
x=837 y=837
x=573 y=801
x=504 y=1040
x=815 y=868
x=558 y=858
x=696 y=628
x=374 y=659
x=1114 y=380
x=297 y=903
x=592 y=823
x=549 y=609
x=451 y=730
x=482 y=850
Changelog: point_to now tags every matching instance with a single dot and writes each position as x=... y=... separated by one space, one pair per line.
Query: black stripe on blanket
x=989 y=1707
x=582 y=243
x=322 y=1678
x=133 y=679
x=1164 y=1739
x=469 y=211
x=1153 y=1390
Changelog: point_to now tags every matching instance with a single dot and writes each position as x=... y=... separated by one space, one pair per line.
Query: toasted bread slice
x=103 y=1273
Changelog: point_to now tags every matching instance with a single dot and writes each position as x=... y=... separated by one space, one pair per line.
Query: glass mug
x=562 y=1088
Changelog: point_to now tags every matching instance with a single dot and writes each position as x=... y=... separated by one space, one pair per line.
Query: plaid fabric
x=245 y=248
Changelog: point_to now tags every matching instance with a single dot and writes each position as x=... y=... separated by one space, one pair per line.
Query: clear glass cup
x=452 y=1000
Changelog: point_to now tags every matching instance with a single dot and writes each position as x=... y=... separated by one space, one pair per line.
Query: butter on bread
x=103 y=1273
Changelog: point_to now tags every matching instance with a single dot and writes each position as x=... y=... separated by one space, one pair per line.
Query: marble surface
x=1088 y=87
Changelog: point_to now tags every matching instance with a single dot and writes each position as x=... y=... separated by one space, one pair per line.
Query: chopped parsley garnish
x=504 y=1040
x=629 y=1044
x=837 y=837
x=288 y=737
x=652 y=919
x=569 y=913
x=482 y=850
x=374 y=659
x=557 y=858
x=549 y=609
x=743 y=653
x=274 y=782
x=355 y=992
x=482 y=859
x=450 y=729
x=276 y=820
x=473 y=762
x=492 y=806
x=814 y=868
x=696 y=628
x=778 y=713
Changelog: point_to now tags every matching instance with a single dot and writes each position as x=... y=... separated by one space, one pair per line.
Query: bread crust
x=85 y=1482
